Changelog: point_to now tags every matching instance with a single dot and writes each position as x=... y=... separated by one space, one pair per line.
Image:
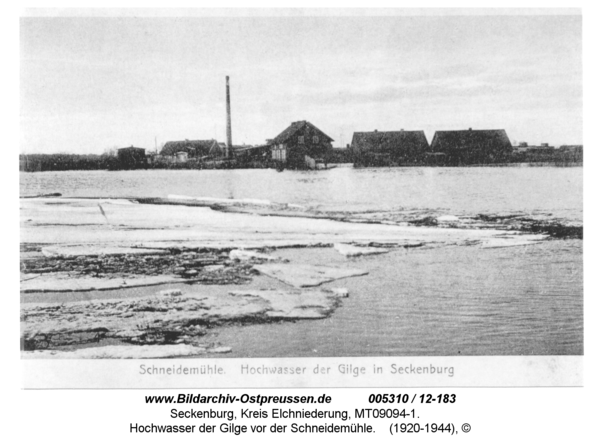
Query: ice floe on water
x=225 y=201
x=127 y=245
x=156 y=250
x=249 y=255
x=167 y=318
x=448 y=219
x=97 y=250
x=127 y=352
x=143 y=225
x=511 y=241
x=306 y=275
x=350 y=251
x=171 y=292
x=67 y=282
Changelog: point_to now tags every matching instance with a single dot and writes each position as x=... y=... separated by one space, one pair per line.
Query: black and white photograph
x=293 y=185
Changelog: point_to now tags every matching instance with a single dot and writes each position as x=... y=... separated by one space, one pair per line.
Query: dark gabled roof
x=457 y=139
x=198 y=147
x=296 y=127
x=132 y=148
x=390 y=141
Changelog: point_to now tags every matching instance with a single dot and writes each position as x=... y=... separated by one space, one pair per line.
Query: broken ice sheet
x=306 y=275
x=167 y=320
x=350 y=251
x=127 y=352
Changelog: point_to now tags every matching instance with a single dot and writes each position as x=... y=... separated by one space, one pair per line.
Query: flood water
x=551 y=191
x=446 y=301
x=441 y=301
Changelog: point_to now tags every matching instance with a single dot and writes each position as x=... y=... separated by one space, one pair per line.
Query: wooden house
x=301 y=146
x=388 y=148
x=472 y=146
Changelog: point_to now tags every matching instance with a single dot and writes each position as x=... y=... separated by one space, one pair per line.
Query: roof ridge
x=293 y=128
x=388 y=131
x=472 y=130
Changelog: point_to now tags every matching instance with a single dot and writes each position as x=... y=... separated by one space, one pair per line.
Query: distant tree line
x=559 y=157
x=554 y=158
x=65 y=161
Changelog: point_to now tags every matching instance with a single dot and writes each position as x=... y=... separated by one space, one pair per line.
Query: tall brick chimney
x=228 y=148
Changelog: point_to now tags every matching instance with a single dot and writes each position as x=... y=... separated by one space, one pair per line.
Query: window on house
x=301 y=140
x=315 y=139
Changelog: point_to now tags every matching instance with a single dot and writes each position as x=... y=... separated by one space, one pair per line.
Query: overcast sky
x=89 y=84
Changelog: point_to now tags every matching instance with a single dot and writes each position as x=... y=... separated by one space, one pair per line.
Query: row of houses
x=453 y=147
x=304 y=146
x=450 y=148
